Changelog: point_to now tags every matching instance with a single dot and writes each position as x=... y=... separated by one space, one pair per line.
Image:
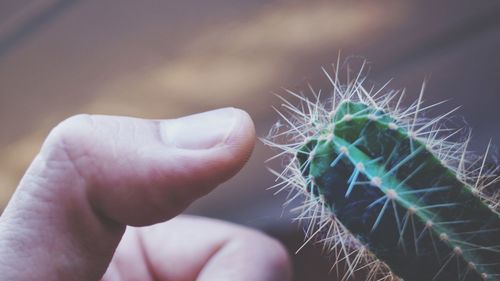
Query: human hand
x=82 y=210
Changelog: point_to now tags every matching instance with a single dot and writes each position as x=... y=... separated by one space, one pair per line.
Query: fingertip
x=243 y=134
x=207 y=130
x=238 y=145
x=231 y=139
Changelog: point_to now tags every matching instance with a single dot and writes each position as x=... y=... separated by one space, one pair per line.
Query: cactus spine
x=387 y=191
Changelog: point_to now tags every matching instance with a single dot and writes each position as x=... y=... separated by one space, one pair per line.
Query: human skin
x=101 y=201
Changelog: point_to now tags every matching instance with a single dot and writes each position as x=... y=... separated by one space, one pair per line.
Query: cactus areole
x=400 y=196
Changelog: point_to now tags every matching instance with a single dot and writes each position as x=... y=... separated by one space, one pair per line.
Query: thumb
x=96 y=174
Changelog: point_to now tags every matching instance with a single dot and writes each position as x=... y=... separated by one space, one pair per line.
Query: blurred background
x=163 y=59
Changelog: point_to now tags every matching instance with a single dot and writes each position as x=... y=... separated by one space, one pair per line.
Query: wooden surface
x=162 y=59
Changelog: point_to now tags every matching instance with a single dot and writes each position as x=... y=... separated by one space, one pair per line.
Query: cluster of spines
x=311 y=119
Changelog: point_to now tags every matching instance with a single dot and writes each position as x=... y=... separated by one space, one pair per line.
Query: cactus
x=389 y=192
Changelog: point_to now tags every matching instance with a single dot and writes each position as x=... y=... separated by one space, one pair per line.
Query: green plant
x=389 y=192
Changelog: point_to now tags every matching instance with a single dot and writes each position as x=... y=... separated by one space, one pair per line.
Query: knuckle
x=278 y=257
x=275 y=252
x=70 y=140
x=72 y=133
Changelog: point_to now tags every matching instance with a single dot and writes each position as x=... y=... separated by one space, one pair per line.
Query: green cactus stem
x=390 y=190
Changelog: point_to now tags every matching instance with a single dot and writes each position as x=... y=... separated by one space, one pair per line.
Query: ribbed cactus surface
x=390 y=189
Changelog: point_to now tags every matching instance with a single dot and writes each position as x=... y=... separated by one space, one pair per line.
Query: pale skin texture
x=101 y=202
